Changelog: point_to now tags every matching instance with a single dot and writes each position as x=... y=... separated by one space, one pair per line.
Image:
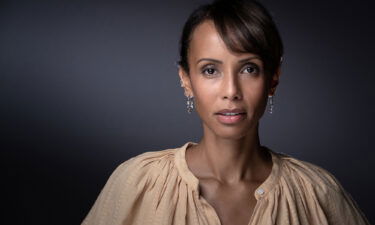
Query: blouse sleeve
x=344 y=210
x=132 y=192
x=332 y=204
x=111 y=198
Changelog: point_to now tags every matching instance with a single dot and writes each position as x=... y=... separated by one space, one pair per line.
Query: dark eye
x=209 y=71
x=251 y=69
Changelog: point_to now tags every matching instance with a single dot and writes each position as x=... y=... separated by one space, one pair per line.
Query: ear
x=275 y=81
x=185 y=81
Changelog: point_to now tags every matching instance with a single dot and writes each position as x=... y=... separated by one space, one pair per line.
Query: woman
x=231 y=54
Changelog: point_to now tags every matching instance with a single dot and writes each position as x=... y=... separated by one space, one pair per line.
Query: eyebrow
x=220 y=62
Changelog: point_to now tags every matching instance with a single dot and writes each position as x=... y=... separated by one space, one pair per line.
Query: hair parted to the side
x=244 y=26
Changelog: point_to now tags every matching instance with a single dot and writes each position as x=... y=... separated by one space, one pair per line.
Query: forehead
x=205 y=38
x=207 y=42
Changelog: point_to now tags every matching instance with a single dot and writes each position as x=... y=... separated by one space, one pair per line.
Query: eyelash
x=248 y=65
x=252 y=65
x=206 y=69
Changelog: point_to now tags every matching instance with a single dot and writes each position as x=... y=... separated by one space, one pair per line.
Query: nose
x=231 y=88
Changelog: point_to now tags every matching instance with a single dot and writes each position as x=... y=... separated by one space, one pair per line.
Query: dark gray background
x=85 y=85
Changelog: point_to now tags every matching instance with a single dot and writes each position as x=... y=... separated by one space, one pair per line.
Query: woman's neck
x=233 y=160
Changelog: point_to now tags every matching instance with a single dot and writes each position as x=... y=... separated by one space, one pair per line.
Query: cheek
x=255 y=91
x=205 y=95
x=256 y=97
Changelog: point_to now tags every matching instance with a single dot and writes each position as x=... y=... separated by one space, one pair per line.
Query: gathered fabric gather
x=157 y=188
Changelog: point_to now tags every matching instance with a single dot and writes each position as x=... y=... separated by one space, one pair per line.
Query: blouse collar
x=193 y=181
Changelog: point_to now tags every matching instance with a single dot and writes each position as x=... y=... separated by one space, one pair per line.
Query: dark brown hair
x=244 y=26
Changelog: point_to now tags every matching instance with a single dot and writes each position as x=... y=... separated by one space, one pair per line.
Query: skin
x=228 y=161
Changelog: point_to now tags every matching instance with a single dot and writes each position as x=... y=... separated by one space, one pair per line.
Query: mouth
x=230 y=114
x=233 y=116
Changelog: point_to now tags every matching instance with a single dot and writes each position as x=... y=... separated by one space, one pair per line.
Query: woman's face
x=223 y=80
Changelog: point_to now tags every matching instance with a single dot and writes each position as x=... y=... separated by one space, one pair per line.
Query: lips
x=231 y=112
x=231 y=116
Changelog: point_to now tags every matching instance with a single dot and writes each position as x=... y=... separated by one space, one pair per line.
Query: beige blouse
x=157 y=188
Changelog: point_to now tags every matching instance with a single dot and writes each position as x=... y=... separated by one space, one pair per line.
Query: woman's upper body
x=159 y=188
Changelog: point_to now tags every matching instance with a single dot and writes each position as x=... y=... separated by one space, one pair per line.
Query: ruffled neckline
x=193 y=181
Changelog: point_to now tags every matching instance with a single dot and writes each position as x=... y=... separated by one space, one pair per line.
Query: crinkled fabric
x=157 y=188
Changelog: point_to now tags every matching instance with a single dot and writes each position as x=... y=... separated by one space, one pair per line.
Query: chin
x=234 y=132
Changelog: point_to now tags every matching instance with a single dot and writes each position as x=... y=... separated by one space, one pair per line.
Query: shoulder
x=147 y=163
x=311 y=185
x=131 y=181
x=300 y=172
x=134 y=173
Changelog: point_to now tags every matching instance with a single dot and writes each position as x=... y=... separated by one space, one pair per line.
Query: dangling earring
x=270 y=98
x=189 y=104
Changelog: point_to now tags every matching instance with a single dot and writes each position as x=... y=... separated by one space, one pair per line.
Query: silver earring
x=189 y=104
x=271 y=102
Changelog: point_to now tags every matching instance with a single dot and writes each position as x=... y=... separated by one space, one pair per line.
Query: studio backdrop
x=85 y=85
